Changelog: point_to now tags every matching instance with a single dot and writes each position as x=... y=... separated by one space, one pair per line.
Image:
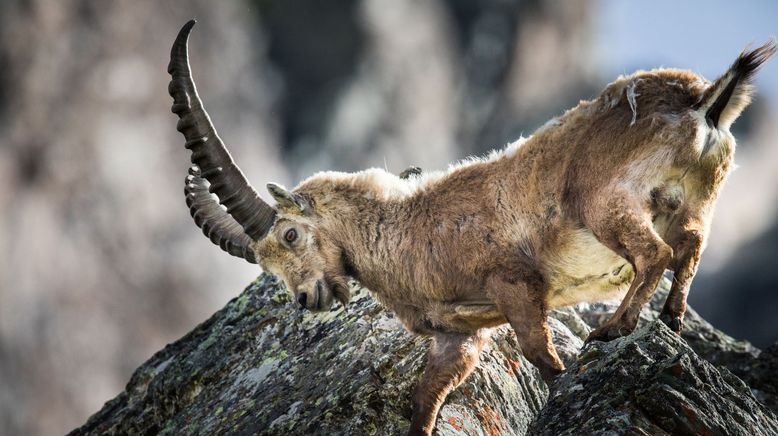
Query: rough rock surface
x=260 y=366
x=651 y=382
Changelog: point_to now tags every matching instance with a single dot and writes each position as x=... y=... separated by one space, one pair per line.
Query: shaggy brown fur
x=596 y=205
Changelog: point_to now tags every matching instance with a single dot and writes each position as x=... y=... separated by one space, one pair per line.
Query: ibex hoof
x=548 y=374
x=607 y=333
x=673 y=321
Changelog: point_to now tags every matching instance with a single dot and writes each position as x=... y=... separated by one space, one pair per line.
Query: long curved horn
x=208 y=151
x=216 y=224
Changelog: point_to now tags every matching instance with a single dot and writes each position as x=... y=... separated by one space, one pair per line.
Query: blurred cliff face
x=364 y=84
x=100 y=265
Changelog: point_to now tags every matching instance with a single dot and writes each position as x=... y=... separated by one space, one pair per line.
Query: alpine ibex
x=595 y=205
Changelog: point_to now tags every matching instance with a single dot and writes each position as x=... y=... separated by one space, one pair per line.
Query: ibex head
x=283 y=239
x=296 y=250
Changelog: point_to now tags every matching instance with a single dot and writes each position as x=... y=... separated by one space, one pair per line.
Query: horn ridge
x=218 y=226
x=208 y=151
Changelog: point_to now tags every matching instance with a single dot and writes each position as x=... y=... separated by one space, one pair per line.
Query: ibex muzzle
x=593 y=206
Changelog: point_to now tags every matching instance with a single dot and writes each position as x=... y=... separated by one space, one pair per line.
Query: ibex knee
x=657 y=255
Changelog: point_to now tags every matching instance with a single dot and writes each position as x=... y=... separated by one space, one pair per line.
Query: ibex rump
x=594 y=206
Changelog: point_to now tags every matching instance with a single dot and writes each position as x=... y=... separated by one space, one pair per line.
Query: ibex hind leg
x=686 y=239
x=451 y=359
x=623 y=224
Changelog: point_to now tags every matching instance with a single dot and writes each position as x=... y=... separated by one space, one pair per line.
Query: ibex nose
x=302 y=299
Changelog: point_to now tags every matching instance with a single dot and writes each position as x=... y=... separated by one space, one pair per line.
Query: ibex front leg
x=522 y=300
x=687 y=242
x=451 y=359
x=624 y=226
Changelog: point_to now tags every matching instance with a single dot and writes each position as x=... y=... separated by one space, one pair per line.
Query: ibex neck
x=369 y=241
x=362 y=214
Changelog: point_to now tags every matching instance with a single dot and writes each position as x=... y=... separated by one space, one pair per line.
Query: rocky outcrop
x=260 y=366
x=650 y=383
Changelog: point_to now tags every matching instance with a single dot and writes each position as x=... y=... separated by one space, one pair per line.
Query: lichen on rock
x=261 y=366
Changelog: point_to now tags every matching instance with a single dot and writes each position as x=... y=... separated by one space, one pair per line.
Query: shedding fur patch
x=385 y=185
x=427 y=178
x=631 y=99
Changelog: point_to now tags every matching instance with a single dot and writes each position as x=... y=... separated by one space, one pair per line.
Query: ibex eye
x=290 y=235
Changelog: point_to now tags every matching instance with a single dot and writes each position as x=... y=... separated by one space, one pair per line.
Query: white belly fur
x=584 y=270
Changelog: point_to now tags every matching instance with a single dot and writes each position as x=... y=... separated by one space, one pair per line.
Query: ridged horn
x=215 y=222
x=208 y=151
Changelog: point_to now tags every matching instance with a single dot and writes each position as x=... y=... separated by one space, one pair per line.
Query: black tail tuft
x=731 y=93
x=749 y=62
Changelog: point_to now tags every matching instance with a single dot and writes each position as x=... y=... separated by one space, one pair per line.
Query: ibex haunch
x=594 y=206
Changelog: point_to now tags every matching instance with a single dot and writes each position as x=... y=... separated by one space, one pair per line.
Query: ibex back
x=596 y=205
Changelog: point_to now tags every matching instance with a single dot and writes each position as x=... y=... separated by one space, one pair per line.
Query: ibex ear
x=286 y=198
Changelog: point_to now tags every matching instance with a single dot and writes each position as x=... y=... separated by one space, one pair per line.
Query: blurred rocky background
x=100 y=265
